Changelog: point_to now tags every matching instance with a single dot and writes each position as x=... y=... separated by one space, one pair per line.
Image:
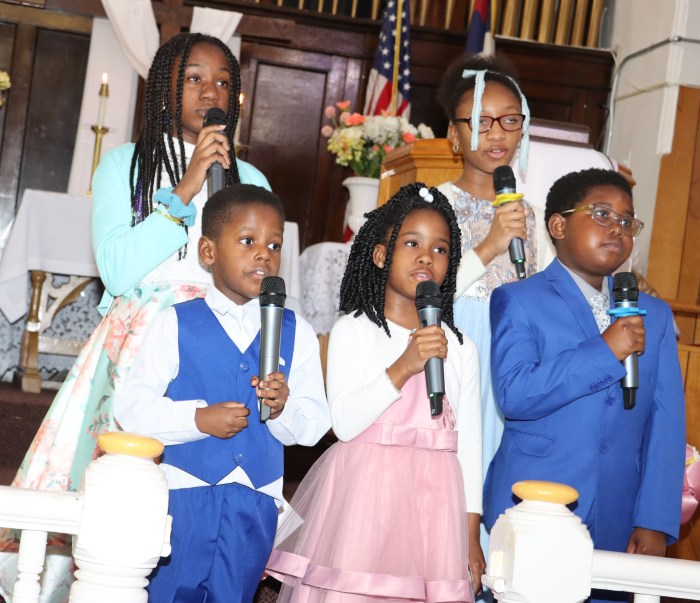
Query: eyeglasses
x=510 y=123
x=605 y=217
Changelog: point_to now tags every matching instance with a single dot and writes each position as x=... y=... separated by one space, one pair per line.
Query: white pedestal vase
x=364 y=193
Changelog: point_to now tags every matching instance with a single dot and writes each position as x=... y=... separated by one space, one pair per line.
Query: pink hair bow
x=691 y=484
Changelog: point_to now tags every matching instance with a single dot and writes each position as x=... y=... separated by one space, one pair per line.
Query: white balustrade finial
x=125 y=527
x=537 y=538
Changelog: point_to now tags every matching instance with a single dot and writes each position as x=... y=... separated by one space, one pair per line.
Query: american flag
x=378 y=97
x=479 y=39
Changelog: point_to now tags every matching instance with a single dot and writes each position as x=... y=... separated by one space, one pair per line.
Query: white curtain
x=135 y=26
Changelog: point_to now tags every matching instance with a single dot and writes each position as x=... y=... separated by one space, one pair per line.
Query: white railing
x=540 y=552
x=118 y=519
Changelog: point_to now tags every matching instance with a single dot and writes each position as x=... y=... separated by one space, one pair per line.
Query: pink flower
x=407 y=137
x=388 y=148
x=329 y=112
x=343 y=105
x=344 y=117
x=326 y=131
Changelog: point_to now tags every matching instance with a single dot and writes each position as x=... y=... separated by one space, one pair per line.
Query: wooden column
x=675 y=247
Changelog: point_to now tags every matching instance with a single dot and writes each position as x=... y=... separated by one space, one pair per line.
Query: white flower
x=362 y=141
x=425 y=131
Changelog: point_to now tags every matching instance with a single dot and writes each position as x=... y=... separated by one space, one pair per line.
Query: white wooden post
x=537 y=548
x=540 y=552
x=124 y=527
x=30 y=563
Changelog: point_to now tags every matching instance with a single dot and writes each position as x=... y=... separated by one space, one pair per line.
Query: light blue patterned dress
x=474 y=217
x=471 y=309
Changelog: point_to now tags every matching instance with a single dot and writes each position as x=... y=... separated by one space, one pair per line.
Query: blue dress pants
x=221 y=539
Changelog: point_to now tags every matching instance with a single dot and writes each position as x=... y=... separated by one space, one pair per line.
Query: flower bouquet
x=4 y=85
x=362 y=141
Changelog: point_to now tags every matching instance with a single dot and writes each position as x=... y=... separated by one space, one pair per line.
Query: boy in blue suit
x=557 y=375
x=194 y=387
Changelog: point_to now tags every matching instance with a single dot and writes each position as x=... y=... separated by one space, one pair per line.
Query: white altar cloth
x=52 y=232
x=322 y=269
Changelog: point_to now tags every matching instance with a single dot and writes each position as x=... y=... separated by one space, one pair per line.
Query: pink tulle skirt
x=370 y=522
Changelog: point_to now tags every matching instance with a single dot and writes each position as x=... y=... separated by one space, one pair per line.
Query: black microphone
x=272 y=296
x=625 y=295
x=504 y=183
x=215 y=174
x=429 y=301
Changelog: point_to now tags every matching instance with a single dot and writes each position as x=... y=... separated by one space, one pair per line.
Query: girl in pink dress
x=392 y=510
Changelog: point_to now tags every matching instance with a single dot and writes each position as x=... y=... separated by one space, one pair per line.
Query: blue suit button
x=610 y=401
x=239 y=458
x=244 y=366
x=603 y=449
x=608 y=380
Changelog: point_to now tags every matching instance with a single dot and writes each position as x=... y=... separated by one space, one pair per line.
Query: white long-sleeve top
x=141 y=407
x=359 y=390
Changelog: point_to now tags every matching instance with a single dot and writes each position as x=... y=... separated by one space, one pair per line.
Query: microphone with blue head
x=625 y=294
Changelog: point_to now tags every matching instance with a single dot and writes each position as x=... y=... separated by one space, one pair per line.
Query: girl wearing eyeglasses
x=489 y=118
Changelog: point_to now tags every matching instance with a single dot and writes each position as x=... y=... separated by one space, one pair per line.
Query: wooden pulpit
x=429 y=160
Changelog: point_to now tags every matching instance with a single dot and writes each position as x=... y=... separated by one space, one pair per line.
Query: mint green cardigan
x=126 y=254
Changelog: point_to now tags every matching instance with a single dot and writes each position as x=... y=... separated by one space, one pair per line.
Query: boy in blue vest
x=193 y=386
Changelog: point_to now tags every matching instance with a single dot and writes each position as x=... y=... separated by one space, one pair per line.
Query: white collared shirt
x=141 y=407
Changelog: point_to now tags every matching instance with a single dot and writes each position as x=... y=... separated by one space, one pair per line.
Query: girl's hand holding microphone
x=212 y=146
x=426 y=343
x=508 y=222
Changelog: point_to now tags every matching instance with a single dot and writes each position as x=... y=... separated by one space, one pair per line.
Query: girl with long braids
x=146 y=199
x=392 y=510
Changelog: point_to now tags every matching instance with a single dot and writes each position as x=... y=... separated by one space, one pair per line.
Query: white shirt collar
x=221 y=304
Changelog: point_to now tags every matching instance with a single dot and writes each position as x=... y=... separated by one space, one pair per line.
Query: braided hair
x=364 y=284
x=155 y=148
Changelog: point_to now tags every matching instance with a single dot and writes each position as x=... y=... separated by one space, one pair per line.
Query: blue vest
x=212 y=368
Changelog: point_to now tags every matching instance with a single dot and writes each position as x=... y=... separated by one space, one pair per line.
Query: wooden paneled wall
x=574 y=22
x=674 y=269
x=46 y=56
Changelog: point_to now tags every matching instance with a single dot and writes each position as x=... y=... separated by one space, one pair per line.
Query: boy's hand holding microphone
x=626 y=337
x=226 y=419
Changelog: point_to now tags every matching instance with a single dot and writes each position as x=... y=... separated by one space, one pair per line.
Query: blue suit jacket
x=557 y=383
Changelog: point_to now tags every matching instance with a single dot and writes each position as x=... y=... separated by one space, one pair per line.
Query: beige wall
x=646 y=93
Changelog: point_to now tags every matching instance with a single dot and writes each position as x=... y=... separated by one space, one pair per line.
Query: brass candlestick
x=99 y=131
